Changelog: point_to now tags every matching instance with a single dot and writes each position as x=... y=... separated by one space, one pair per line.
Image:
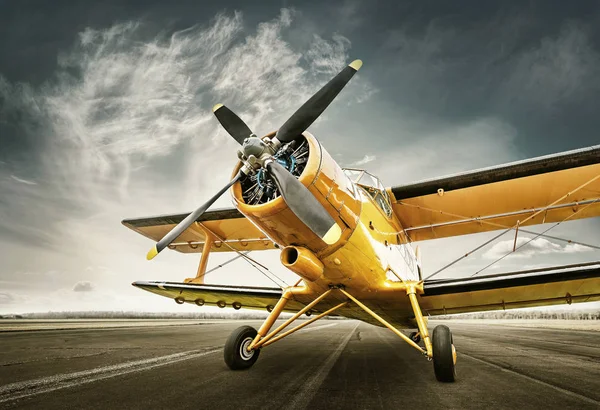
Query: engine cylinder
x=302 y=262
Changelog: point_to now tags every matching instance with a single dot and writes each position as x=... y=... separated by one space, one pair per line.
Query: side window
x=351 y=187
x=372 y=185
x=383 y=204
x=379 y=200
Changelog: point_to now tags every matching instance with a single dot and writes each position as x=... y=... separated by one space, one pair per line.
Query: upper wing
x=537 y=287
x=233 y=231
x=498 y=197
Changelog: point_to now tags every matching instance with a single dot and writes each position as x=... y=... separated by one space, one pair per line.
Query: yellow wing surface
x=538 y=287
x=231 y=231
x=248 y=297
x=552 y=188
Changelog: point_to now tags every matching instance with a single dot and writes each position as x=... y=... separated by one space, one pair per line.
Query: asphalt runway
x=331 y=364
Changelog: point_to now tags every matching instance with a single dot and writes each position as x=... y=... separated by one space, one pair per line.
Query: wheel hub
x=244 y=352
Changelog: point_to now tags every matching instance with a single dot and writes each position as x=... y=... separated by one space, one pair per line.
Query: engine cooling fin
x=258 y=188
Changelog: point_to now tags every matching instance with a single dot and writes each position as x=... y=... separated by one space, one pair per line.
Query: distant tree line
x=529 y=314
x=233 y=315
x=250 y=315
x=138 y=315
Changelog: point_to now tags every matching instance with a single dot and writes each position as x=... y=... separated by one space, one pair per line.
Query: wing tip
x=216 y=107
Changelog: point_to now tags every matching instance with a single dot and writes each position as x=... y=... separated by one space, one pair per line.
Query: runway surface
x=331 y=364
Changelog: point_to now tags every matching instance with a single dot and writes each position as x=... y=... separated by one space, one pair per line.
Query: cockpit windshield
x=373 y=186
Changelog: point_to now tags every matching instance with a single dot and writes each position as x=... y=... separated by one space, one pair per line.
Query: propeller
x=232 y=123
x=304 y=204
x=190 y=219
x=257 y=154
x=301 y=119
x=311 y=109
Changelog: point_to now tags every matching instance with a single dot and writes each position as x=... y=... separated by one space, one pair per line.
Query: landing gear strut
x=243 y=346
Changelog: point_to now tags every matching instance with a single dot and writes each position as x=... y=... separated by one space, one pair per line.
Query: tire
x=235 y=354
x=443 y=354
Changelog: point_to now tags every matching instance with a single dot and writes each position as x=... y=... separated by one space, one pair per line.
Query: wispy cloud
x=365 y=160
x=125 y=128
x=328 y=57
x=23 y=181
x=536 y=247
x=7 y=298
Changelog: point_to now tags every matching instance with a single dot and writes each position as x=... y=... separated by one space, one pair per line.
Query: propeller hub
x=254 y=153
x=254 y=146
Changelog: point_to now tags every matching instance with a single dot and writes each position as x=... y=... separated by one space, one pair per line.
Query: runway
x=331 y=364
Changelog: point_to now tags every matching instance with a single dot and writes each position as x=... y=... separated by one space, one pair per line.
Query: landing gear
x=236 y=353
x=244 y=344
x=444 y=354
x=415 y=337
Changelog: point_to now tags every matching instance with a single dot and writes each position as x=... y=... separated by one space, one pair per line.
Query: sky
x=105 y=114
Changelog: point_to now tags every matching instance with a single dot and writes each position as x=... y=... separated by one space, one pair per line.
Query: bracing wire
x=248 y=259
x=522 y=222
x=535 y=237
x=467 y=254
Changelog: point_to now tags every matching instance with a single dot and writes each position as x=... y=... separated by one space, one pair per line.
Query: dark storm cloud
x=533 y=65
x=535 y=68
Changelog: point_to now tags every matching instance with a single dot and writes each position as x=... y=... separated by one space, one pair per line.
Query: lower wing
x=247 y=297
x=537 y=287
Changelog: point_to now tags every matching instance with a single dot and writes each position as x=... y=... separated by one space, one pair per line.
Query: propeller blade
x=310 y=111
x=306 y=207
x=232 y=123
x=190 y=219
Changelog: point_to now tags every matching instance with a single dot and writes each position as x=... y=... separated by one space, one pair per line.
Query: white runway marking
x=34 y=387
x=532 y=379
x=308 y=329
x=310 y=387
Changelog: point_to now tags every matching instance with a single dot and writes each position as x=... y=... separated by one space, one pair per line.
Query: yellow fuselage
x=372 y=257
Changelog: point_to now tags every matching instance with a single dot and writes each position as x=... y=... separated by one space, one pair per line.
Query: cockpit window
x=369 y=180
x=381 y=198
x=373 y=186
x=353 y=174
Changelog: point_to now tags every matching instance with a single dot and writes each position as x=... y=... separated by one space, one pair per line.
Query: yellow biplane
x=349 y=239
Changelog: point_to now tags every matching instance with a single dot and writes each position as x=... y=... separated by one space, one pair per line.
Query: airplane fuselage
x=372 y=256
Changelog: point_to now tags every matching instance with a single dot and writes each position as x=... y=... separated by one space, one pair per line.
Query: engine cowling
x=326 y=180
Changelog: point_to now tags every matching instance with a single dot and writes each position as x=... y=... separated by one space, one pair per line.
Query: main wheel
x=235 y=353
x=444 y=354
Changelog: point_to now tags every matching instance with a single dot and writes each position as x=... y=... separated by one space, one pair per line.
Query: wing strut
x=530 y=240
x=248 y=259
x=537 y=212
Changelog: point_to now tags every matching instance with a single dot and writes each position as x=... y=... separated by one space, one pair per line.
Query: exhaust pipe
x=302 y=262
